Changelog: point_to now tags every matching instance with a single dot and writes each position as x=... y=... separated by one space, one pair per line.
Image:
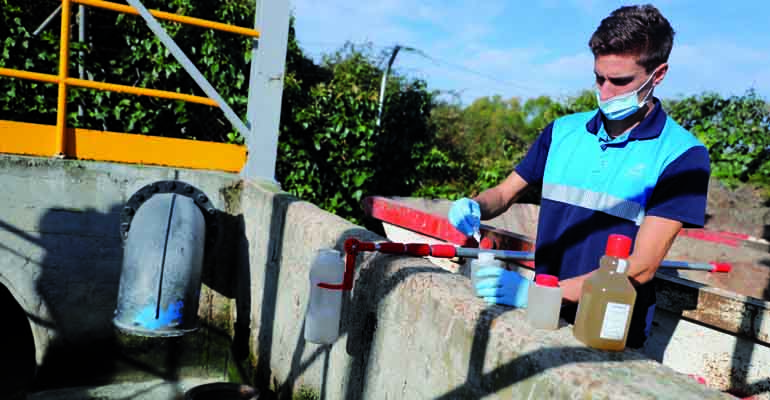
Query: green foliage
x=490 y=136
x=736 y=131
x=331 y=150
x=122 y=50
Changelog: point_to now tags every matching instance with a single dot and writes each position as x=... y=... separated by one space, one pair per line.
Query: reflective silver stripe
x=603 y=202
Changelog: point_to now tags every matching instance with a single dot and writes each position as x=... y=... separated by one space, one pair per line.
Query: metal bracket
x=210 y=213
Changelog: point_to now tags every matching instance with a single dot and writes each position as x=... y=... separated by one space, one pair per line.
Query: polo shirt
x=594 y=185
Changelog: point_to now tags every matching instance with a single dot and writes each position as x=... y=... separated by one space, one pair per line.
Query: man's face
x=619 y=74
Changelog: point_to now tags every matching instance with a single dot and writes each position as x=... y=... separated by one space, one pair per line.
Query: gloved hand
x=500 y=286
x=465 y=216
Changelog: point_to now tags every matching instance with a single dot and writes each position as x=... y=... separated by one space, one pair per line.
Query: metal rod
x=34 y=76
x=61 y=111
x=141 y=91
x=449 y=251
x=47 y=21
x=529 y=256
x=107 y=5
x=82 y=40
x=180 y=56
x=84 y=83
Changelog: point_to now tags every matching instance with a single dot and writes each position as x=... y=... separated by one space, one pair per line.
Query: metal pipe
x=141 y=91
x=354 y=246
x=84 y=83
x=107 y=5
x=180 y=56
x=82 y=40
x=47 y=21
x=61 y=110
x=34 y=76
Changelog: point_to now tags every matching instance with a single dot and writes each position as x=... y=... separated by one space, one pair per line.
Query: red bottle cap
x=547 y=280
x=618 y=246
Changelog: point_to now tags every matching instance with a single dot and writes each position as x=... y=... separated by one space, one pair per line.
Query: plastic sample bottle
x=607 y=302
x=544 y=302
x=483 y=260
x=322 y=320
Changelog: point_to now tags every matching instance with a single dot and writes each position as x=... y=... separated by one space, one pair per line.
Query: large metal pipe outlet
x=164 y=226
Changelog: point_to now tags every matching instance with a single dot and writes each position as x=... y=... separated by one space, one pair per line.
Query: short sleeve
x=532 y=167
x=682 y=189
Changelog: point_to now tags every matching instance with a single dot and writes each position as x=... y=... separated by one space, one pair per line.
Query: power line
x=445 y=63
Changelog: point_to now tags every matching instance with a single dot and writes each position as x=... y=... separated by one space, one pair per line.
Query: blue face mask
x=623 y=105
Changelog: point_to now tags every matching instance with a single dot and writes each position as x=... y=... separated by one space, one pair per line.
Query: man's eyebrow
x=613 y=77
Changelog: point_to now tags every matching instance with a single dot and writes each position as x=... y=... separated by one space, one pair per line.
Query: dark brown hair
x=638 y=30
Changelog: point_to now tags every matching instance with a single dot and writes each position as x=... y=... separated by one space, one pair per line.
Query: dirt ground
x=743 y=210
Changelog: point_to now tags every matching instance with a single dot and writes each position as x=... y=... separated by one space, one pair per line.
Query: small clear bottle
x=544 y=302
x=483 y=260
x=607 y=302
x=322 y=320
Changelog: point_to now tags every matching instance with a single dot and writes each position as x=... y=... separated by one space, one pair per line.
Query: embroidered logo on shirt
x=637 y=170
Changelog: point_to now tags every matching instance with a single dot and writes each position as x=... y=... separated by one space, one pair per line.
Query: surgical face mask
x=623 y=105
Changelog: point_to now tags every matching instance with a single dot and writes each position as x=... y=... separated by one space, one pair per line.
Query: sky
x=530 y=48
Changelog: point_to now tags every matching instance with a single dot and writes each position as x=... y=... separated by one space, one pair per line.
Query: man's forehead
x=617 y=65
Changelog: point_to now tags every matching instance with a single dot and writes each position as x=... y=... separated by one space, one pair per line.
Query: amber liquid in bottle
x=606 y=306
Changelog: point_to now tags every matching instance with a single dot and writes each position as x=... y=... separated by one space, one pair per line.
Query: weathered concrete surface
x=410 y=329
x=725 y=361
x=710 y=325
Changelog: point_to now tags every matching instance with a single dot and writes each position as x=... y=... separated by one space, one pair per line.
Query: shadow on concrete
x=263 y=379
x=529 y=365
x=360 y=316
x=76 y=281
x=743 y=351
x=17 y=345
x=227 y=271
x=80 y=270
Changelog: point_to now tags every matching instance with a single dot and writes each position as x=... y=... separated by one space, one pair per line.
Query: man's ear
x=660 y=73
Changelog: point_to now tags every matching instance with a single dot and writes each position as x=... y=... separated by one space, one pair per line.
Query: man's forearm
x=496 y=200
x=655 y=237
x=492 y=203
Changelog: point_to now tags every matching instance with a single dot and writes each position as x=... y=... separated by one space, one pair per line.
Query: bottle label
x=622 y=265
x=615 y=318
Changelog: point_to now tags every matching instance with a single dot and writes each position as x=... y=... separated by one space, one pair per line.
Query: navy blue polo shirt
x=594 y=185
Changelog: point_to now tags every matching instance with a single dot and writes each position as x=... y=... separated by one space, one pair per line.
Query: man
x=626 y=168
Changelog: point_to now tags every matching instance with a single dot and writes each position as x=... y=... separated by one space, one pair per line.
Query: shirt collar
x=650 y=127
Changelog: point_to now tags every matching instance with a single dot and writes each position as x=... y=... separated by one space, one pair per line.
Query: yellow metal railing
x=63 y=80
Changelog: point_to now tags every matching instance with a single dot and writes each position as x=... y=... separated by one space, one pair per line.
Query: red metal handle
x=353 y=246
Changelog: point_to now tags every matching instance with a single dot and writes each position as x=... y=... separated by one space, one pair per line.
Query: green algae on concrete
x=306 y=393
x=232 y=197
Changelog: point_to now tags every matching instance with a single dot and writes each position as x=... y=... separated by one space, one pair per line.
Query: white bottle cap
x=486 y=258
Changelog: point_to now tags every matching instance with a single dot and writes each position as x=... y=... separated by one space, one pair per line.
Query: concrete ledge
x=410 y=329
x=413 y=330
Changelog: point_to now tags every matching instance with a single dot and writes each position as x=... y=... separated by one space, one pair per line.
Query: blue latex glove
x=500 y=286
x=465 y=216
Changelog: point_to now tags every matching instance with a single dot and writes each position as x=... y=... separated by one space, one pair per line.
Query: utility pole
x=385 y=81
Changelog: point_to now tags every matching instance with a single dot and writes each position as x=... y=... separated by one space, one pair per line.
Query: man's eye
x=600 y=80
x=621 y=81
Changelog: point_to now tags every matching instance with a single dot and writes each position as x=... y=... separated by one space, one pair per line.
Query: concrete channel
x=410 y=328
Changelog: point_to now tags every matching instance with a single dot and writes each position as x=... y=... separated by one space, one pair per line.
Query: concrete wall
x=61 y=255
x=410 y=329
x=413 y=330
